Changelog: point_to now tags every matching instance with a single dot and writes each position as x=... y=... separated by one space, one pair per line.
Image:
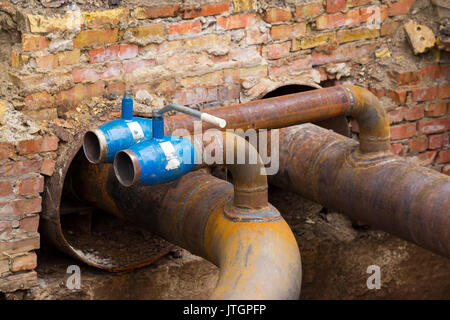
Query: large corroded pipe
x=255 y=250
x=385 y=191
x=309 y=106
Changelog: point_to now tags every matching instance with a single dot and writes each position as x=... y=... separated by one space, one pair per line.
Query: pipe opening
x=92 y=147
x=127 y=168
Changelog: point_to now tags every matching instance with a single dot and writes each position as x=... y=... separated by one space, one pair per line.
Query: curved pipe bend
x=372 y=119
x=257 y=260
x=249 y=178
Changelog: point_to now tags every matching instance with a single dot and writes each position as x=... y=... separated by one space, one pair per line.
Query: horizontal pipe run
x=386 y=192
x=255 y=249
x=302 y=107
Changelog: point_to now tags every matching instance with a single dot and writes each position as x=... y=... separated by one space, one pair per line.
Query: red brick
x=357 y=3
x=309 y=10
x=438 y=141
x=31 y=186
x=444 y=156
x=274 y=15
x=132 y=65
x=6 y=188
x=418 y=144
x=434 y=126
x=186 y=27
x=403 y=131
x=236 y=21
x=156 y=12
x=424 y=94
x=427 y=158
x=6 y=150
x=436 y=109
x=292 y=66
x=337 y=20
x=91 y=37
x=25 y=262
x=373 y=13
x=24 y=206
x=29 y=223
x=48 y=167
x=29 y=146
x=88 y=74
x=33 y=42
x=21 y=281
x=49 y=143
x=399 y=96
x=19 y=167
x=19 y=245
x=444 y=92
x=81 y=92
x=39 y=100
x=400 y=7
x=397 y=115
x=335 y=5
x=433 y=71
x=279 y=50
x=415 y=113
x=397 y=148
x=284 y=32
x=209 y=9
x=405 y=78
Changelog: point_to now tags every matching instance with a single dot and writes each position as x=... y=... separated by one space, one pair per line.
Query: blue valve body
x=165 y=159
x=122 y=134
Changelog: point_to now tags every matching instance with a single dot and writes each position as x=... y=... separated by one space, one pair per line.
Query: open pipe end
x=127 y=168
x=94 y=146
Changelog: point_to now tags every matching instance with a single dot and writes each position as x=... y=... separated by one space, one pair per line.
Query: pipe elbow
x=373 y=121
x=257 y=259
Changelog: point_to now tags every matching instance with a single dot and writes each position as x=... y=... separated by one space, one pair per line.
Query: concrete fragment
x=420 y=37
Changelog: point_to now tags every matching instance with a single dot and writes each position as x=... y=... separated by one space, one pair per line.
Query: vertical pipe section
x=385 y=191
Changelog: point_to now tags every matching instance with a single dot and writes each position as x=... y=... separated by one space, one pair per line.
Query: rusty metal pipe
x=384 y=191
x=255 y=249
x=309 y=106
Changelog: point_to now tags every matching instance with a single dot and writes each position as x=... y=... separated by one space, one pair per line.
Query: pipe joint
x=372 y=119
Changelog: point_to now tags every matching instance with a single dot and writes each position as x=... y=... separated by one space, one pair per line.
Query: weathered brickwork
x=203 y=53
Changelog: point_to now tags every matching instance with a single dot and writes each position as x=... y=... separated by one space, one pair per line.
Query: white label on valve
x=136 y=130
x=169 y=151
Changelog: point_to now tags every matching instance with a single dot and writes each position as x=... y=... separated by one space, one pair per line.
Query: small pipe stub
x=95 y=146
x=127 y=168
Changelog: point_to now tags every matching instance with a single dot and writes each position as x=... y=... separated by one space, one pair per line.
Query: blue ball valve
x=162 y=158
x=102 y=144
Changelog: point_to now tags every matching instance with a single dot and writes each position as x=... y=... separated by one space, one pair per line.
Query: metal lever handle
x=219 y=122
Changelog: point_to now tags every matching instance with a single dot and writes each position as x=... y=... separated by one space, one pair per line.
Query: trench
x=148 y=267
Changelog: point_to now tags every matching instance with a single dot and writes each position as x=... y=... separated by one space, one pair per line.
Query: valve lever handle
x=216 y=121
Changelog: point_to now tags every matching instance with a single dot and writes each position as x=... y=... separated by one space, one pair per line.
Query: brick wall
x=200 y=53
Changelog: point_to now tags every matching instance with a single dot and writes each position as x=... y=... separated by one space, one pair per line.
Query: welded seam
x=352 y=100
x=180 y=214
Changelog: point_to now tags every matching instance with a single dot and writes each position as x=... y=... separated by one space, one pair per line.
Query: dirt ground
x=335 y=257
